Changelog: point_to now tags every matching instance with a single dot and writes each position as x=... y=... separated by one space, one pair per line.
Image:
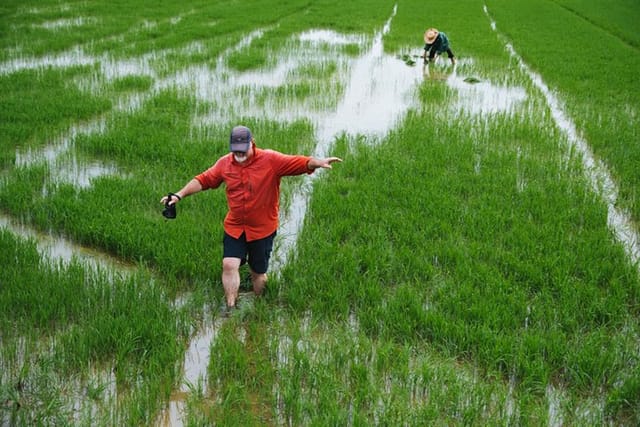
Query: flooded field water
x=378 y=91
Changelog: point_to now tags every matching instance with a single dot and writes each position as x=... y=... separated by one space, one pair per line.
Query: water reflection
x=62 y=161
x=483 y=97
x=65 y=23
x=58 y=249
x=436 y=73
x=474 y=95
x=195 y=363
x=379 y=90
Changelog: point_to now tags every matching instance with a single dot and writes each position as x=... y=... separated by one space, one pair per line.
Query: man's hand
x=192 y=187
x=171 y=198
x=322 y=163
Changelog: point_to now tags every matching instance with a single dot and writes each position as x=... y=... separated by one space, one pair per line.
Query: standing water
x=378 y=91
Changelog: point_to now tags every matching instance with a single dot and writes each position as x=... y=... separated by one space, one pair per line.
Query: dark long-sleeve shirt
x=439 y=45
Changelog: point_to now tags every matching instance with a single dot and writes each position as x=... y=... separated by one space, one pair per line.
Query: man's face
x=241 y=156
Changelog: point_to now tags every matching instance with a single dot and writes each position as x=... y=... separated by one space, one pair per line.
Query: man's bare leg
x=231 y=279
x=259 y=282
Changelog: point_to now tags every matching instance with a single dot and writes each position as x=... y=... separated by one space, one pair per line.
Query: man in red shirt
x=252 y=178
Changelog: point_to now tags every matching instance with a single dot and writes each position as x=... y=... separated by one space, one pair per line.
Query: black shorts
x=256 y=252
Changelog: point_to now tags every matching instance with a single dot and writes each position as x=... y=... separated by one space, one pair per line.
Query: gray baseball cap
x=240 y=139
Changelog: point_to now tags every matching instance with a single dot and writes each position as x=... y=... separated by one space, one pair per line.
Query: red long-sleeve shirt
x=253 y=189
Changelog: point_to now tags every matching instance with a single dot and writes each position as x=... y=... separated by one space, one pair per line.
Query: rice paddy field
x=474 y=260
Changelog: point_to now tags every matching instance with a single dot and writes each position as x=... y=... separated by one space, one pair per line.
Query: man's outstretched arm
x=314 y=163
x=192 y=186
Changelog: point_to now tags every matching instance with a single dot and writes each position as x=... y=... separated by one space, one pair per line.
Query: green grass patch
x=456 y=269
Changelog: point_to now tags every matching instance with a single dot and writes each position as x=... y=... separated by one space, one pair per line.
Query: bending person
x=436 y=43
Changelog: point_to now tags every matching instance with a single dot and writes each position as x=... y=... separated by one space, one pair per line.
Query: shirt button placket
x=245 y=194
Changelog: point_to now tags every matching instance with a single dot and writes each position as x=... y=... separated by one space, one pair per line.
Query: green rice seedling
x=242 y=61
x=620 y=404
x=457 y=267
x=320 y=360
x=141 y=336
x=463 y=293
x=31 y=108
x=597 y=88
x=344 y=17
x=620 y=18
x=240 y=379
x=314 y=71
x=132 y=83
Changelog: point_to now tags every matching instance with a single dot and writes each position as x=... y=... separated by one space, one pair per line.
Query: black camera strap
x=170 y=195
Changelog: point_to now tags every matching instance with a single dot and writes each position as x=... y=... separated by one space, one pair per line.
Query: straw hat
x=430 y=35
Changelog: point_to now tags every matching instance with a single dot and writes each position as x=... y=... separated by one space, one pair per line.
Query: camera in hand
x=169 y=211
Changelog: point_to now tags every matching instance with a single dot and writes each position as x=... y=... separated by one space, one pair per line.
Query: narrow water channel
x=597 y=172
